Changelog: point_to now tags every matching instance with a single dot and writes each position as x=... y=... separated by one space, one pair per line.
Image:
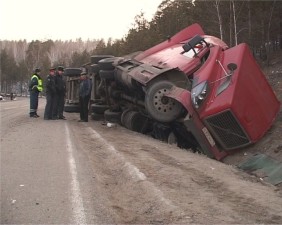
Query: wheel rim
x=164 y=104
x=158 y=105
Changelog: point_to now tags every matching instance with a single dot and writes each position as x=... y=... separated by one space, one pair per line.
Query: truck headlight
x=199 y=93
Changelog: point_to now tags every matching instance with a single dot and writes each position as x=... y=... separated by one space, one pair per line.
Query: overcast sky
x=70 y=19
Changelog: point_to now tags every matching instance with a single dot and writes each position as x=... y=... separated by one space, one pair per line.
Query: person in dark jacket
x=50 y=94
x=59 y=101
x=35 y=87
x=84 y=96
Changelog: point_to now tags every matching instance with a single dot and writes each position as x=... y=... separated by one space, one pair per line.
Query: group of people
x=55 y=93
x=55 y=89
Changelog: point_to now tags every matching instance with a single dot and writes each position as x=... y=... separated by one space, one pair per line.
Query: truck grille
x=227 y=131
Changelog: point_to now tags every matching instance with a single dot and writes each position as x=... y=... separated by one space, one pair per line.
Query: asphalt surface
x=44 y=179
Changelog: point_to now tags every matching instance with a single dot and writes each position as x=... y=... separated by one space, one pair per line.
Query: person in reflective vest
x=35 y=87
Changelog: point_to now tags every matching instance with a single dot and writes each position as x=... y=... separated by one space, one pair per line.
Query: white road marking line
x=131 y=169
x=134 y=172
x=77 y=202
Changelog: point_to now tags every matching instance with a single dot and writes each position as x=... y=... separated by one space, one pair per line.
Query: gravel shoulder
x=148 y=181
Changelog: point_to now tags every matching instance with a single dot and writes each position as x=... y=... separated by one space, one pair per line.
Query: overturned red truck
x=192 y=90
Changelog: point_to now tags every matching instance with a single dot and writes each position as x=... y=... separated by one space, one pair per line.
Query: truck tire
x=96 y=58
x=107 y=64
x=96 y=116
x=107 y=74
x=123 y=117
x=160 y=107
x=71 y=108
x=134 y=121
x=95 y=68
x=69 y=72
x=99 y=108
x=111 y=116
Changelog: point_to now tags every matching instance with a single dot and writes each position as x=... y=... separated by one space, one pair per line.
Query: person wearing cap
x=84 y=96
x=50 y=94
x=35 y=87
x=59 y=100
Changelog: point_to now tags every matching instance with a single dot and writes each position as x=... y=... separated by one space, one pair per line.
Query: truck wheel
x=107 y=74
x=71 y=108
x=111 y=116
x=69 y=72
x=134 y=121
x=98 y=108
x=123 y=117
x=95 y=68
x=107 y=64
x=160 y=107
x=96 y=116
x=96 y=58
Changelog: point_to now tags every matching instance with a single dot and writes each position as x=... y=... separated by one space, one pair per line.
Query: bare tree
x=249 y=21
x=216 y=4
x=235 y=22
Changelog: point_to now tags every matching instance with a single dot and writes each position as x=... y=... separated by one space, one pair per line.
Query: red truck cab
x=230 y=94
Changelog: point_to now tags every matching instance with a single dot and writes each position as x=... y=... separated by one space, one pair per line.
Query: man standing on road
x=84 y=96
x=35 y=87
x=50 y=94
x=60 y=95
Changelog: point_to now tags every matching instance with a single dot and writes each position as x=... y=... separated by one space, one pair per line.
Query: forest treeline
x=257 y=23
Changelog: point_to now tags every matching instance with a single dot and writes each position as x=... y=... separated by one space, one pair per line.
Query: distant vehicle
x=1 y=97
x=191 y=90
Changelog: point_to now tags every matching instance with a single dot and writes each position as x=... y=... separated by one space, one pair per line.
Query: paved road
x=65 y=172
x=44 y=179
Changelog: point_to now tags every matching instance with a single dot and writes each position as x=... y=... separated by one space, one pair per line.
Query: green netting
x=271 y=168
